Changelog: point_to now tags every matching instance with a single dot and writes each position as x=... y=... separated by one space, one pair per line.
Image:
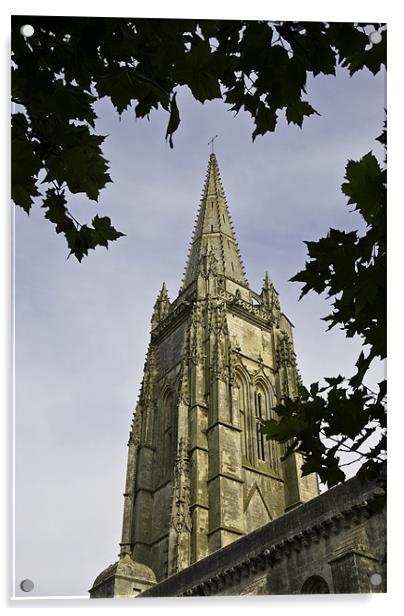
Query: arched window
x=242 y=403
x=260 y=415
x=273 y=446
x=254 y=404
x=264 y=401
x=315 y=585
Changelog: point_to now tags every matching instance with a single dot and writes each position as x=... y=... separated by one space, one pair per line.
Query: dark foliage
x=344 y=416
x=59 y=73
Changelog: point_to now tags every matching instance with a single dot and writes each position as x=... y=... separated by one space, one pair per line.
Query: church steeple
x=214 y=231
x=220 y=358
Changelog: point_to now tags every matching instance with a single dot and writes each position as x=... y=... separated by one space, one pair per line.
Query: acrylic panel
x=255 y=462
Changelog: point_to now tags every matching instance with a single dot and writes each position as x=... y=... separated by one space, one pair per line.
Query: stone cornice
x=225 y=424
x=237 y=304
x=267 y=473
x=199 y=448
x=228 y=529
x=172 y=320
x=225 y=476
x=276 y=552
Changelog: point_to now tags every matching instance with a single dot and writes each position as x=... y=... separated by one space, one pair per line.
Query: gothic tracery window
x=243 y=410
x=273 y=447
x=259 y=417
x=255 y=404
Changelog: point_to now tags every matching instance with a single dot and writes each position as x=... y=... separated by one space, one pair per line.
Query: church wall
x=253 y=340
x=226 y=520
x=158 y=558
x=143 y=503
x=298 y=489
x=232 y=287
x=263 y=498
x=333 y=543
x=288 y=574
x=200 y=472
x=161 y=511
x=171 y=348
x=199 y=534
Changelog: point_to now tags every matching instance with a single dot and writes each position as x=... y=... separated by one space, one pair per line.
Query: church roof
x=126 y=567
x=213 y=232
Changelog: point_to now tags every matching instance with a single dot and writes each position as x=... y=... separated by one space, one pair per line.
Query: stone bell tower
x=200 y=474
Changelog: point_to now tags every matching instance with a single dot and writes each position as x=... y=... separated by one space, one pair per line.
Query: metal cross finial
x=211 y=142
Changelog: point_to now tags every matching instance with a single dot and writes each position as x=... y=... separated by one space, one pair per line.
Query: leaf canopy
x=70 y=63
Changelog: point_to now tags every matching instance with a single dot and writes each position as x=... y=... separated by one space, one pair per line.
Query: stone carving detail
x=147 y=399
x=161 y=307
x=286 y=365
x=270 y=299
x=175 y=311
x=220 y=318
x=219 y=362
x=257 y=311
x=183 y=386
x=232 y=368
x=150 y=369
x=208 y=262
x=285 y=354
x=181 y=518
x=257 y=587
x=219 y=329
x=181 y=521
x=195 y=350
x=136 y=427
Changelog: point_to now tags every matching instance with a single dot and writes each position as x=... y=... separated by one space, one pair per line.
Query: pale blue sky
x=82 y=329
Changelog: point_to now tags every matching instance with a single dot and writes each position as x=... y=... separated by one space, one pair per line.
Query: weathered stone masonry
x=332 y=544
x=200 y=474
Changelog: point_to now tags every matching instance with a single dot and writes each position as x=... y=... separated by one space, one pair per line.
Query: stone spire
x=161 y=307
x=214 y=230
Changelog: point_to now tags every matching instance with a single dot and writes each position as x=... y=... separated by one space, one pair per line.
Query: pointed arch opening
x=267 y=451
x=255 y=400
x=242 y=389
x=315 y=585
x=260 y=416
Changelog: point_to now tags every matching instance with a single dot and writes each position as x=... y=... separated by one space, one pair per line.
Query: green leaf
x=382 y=390
x=312 y=465
x=334 y=381
x=298 y=111
x=25 y=164
x=282 y=430
x=373 y=58
x=55 y=204
x=332 y=474
x=362 y=364
x=365 y=186
x=265 y=120
x=347 y=39
x=314 y=389
x=174 y=120
x=104 y=232
x=198 y=69
x=255 y=44
x=120 y=85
